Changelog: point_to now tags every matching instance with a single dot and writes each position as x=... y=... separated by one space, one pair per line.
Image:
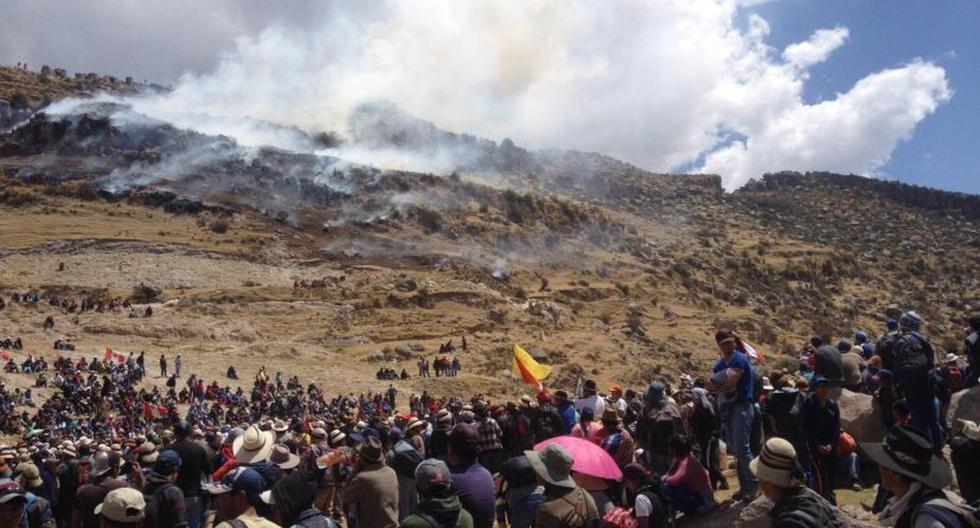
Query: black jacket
x=802 y=508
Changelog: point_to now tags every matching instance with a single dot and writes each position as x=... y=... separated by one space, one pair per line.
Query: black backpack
x=405 y=461
x=154 y=502
x=784 y=408
x=913 y=363
x=703 y=418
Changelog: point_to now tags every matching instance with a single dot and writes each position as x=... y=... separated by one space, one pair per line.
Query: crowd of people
x=107 y=449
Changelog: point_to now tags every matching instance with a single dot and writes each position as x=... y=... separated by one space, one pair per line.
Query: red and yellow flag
x=528 y=369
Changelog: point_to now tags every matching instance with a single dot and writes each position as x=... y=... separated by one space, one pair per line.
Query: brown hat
x=371 y=450
x=609 y=415
x=283 y=458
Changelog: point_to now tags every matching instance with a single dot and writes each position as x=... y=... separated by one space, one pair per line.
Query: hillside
x=598 y=267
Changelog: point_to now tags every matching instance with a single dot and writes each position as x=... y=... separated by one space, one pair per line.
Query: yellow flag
x=527 y=368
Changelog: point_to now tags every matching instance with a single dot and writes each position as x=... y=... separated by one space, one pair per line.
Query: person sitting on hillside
x=687 y=481
x=232 y=373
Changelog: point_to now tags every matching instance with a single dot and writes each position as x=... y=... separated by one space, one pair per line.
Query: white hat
x=254 y=446
x=123 y=505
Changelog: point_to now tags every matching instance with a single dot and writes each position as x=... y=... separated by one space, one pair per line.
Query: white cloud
x=817 y=48
x=854 y=133
x=659 y=83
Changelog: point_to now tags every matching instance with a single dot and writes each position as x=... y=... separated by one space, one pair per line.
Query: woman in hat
x=916 y=477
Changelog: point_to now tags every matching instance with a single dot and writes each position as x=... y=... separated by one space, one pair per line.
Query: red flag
x=112 y=356
x=154 y=412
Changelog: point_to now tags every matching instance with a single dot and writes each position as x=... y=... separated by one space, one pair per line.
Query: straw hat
x=30 y=476
x=254 y=446
x=337 y=437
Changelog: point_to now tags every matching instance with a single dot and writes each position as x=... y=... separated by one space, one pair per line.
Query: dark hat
x=908 y=451
x=241 y=478
x=610 y=416
x=553 y=464
x=517 y=471
x=371 y=450
x=589 y=386
x=167 y=462
x=724 y=335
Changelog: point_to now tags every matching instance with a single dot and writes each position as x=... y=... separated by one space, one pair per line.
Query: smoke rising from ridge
x=664 y=84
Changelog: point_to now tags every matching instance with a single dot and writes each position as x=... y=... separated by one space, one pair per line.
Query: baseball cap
x=10 y=491
x=124 y=505
x=239 y=479
x=432 y=475
x=167 y=461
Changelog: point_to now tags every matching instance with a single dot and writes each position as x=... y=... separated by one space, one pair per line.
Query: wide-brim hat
x=283 y=458
x=414 y=424
x=280 y=426
x=553 y=464
x=254 y=445
x=907 y=451
x=950 y=358
x=336 y=437
x=609 y=415
x=371 y=450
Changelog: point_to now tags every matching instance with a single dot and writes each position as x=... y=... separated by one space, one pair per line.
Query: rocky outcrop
x=909 y=195
x=861 y=417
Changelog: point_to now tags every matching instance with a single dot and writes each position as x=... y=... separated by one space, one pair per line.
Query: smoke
x=660 y=84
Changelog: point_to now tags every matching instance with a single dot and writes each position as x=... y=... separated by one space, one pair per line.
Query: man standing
x=163 y=366
x=179 y=362
x=195 y=466
x=105 y=468
x=565 y=504
x=371 y=496
x=470 y=481
x=914 y=364
x=732 y=380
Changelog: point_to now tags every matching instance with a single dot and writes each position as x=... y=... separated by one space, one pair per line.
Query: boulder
x=145 y=293
x=964 y=404
x=403 y=351
x=860 y=416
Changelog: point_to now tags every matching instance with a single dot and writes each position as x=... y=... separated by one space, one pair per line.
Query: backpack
x=153 y=503
x=703 y=417
x=405 y=459
x=950 y=514
x=784 y=408
x=431 y=521
x=913 y=363
x=661 y=505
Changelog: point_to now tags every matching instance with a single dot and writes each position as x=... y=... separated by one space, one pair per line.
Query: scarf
x=897 y=506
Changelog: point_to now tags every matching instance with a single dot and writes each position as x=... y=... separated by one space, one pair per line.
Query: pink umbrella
x=590 y=459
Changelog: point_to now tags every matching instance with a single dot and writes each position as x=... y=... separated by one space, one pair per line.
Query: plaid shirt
x=490 y=435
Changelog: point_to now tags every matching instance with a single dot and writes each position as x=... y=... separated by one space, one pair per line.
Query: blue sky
x=944 y=151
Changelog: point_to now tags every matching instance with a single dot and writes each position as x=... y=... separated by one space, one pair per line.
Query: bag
x=620 y=518
x=703 y=418
x=581 y=514
x=784 y=408
x=845 y=444
x=951 y=515
x=405 y=459
x=913 y=363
